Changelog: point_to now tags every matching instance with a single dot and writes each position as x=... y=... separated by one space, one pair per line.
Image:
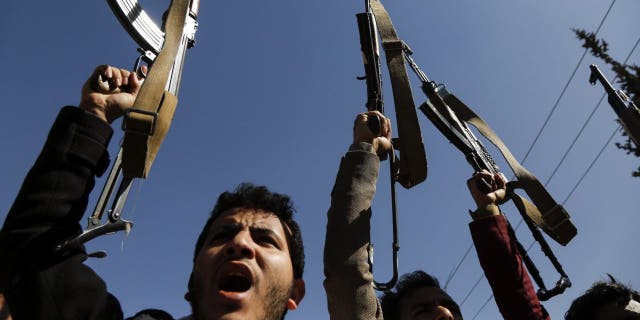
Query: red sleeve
x=499 y=257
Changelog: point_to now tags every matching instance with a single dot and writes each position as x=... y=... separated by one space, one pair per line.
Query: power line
x=613 y=134
x=590 y=116
x=563 y=202
x=457 y=267
x=591 y=165
x=470 y=291
x=582 y=128
x=454 y=271
x=559 y=164
x=482 y=308
x=574 y=140
x=565 y=87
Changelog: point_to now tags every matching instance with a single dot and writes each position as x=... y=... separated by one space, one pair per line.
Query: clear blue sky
x=269 y=94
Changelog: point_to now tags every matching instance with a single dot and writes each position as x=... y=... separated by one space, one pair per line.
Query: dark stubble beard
x=274 y=303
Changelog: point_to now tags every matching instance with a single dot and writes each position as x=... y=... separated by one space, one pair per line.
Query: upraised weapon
x=163 y=50
x=410 y=167
x=450 y=116
x=628 y=113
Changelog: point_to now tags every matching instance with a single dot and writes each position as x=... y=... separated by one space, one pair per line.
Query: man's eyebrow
x=264 y=231
x=227 y=226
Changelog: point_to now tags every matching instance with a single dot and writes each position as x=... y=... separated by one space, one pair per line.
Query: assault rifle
x=450 y=115
x=162 y=50
x=628 y=113
x=410 y=168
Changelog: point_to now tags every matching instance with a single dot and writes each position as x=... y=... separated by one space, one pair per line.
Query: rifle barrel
x=371 y=60
x=596 y=74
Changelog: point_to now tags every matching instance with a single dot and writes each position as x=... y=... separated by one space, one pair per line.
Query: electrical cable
x=565 y=88
x=455 y=270
x=470 y=291
x=482 y=308
x=564 y=156
x=457 y=267
x=613 y=134
x=565 y=200
x=591 y=165
x=590 y=116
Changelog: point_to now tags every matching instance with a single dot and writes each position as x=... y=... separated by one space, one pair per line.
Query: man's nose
x=240 y=246
x=442 y=313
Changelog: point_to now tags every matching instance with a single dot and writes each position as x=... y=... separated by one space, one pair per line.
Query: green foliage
x=628 y=78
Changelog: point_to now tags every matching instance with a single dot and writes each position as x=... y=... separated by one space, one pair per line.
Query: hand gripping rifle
x=147 y=122
x=628 y=113
x=451 y=116
x=411 y=167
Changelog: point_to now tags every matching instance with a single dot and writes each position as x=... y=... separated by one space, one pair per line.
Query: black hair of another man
x=408 y=283
x=601 y=293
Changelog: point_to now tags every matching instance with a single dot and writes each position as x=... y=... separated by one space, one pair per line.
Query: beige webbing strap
x=147 y=122
x=545 y=211
x=413 y=161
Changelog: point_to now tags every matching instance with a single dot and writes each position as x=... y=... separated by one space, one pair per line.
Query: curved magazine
x=138 y=24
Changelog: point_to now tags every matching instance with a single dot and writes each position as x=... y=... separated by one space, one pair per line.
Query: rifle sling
x=413 y=161
x=147 y=122
x=545 y=212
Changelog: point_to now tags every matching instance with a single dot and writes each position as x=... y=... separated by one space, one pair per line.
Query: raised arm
x=38 y=281
x=498 y=254
x=348 y=280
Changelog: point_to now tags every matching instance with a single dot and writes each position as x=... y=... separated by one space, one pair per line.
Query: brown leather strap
x=545 y=211
x=147 y=122
x=413 y=160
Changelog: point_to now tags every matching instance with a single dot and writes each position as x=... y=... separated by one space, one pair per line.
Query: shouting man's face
x=244 y=269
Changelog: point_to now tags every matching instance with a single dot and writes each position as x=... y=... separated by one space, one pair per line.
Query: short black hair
x=247 y=195
x=408 y=283
x=600 y=294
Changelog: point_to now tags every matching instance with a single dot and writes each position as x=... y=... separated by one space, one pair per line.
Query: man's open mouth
x=235 y=283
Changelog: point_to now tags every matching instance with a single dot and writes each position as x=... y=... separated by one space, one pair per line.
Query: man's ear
x=297 y=293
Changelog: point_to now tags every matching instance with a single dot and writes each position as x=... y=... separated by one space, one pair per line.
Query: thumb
x=135 y=82
x=382 y=145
